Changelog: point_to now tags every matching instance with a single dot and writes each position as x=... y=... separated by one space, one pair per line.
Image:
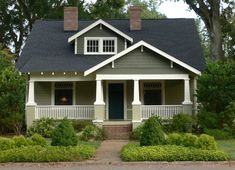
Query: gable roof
x=135 y=46
x=47 y=47
x=100 y=21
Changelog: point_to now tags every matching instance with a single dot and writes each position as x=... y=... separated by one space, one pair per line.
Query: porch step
x=118 y=131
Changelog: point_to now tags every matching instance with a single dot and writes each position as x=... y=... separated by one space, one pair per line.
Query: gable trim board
x=100 y=21
x=133 y=47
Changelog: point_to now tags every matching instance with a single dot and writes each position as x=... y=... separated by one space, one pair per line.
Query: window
x=152 y=93
x=98 y=45
x=63 y=93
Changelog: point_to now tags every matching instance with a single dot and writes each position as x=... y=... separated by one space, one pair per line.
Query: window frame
x=100 y=44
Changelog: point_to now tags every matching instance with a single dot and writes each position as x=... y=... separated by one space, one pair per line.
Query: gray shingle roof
x=47 y=47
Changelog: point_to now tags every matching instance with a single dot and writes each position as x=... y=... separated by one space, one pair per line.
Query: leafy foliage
x=216 y=86
x=64 y=135
x=43 y=126
x=131 y=152
x=206 y=142
x=218 y=133
x=79 y=125
x=182 y=123
x=152 y=133
x=38 y=140
x=6 y=143
x=47 y=154
x=136 y=133
x=92 y=132
x=208 y=120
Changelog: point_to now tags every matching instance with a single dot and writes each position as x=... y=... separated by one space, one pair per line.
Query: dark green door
x=116 y=107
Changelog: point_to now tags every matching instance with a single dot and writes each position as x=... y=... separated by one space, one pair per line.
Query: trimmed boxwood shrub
x=136 y=133
x=132 y=152
x=38 y=140
x=22 y=141
x=47 y=154
x=206 y=142
x=64 y=134
x=152 y=133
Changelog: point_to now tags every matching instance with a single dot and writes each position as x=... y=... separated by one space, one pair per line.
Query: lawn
x=227 y=146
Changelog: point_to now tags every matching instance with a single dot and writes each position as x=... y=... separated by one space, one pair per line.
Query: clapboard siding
x=85 y=92
x=174 y=92
x=43 y=93
x=97 y=32
x=146 y=62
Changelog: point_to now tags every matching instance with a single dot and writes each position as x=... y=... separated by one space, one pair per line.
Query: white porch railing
x=162 y=111
x=85 y=112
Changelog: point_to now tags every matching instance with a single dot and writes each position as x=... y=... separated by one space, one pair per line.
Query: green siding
x=43 y=93
x=97 y=32
x=174 y=92
x=85 y=92
x=146 y=62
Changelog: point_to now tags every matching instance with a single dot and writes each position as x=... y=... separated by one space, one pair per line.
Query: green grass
x=95 y=144
x=227 y=146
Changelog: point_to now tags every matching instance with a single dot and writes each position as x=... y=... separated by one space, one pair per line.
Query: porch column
x=136 y=105
x=99 y=105
x=30 y=105
x=195 y=94
x=187 y=104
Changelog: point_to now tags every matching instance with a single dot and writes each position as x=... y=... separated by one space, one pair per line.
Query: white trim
x=100 y=21
x=142 y=76
x=97 y=121
x=187 y=99
x=52 y=93
x=99 y=93
x=100 y=45
x=136 y=121
x=31 y=95
x=124 y=98
x=131 y=48
x=136 y=93
x=76 y=46
x=65 y=78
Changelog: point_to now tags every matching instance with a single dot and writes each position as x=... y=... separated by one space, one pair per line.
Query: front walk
x=109 y=151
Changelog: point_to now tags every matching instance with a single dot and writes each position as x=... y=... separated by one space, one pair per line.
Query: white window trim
x=100 y=39
x=162 y=90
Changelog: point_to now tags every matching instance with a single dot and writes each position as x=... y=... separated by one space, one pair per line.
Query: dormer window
x=100 y=45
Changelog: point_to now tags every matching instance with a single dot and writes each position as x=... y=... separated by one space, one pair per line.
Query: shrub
x=182 y=123
x=92 y=132
x=43 y=126
x=228 y=115
x=206 y=142
x=208 y=120
x=47 y=154
x=79 y=125
x=152 y=133
x=174 y=139
x=218 y=134
x=38 y=140
x=190 y=140
x=6 y=143
x=136 y=133
x=133 y=152
x=22 y=141
x=64 y=135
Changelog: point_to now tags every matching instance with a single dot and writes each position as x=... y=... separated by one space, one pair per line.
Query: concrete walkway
x=109 y=151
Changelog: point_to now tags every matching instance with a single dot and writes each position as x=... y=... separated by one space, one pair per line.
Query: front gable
x=138 y=60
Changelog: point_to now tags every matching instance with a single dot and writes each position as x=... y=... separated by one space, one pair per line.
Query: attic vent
x=152 y=85
x=63 y=85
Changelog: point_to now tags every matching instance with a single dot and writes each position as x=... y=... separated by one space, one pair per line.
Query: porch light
x=63 y=99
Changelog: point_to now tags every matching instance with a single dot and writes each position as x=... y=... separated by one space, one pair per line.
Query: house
x=111 y=71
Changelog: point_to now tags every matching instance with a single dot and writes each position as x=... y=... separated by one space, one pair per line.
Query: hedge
x=133 y=152
x=47 y=154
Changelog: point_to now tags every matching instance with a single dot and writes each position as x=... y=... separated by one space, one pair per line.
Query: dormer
x=100 y=38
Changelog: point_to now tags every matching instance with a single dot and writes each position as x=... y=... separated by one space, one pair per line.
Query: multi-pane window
x=100 y=45
x=63 y=93
x=108 y=46
x=93 y=46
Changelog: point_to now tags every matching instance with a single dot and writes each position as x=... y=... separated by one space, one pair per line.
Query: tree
x=12 y=96
x=148 y=8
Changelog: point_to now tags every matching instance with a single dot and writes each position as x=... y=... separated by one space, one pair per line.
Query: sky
x=176 y=10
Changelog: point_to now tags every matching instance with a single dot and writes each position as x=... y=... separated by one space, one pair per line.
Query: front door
x=116 y=103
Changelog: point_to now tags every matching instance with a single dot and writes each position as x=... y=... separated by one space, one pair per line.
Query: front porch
x=113 y=98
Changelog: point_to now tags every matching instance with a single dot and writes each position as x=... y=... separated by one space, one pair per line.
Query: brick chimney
x=135 y=18
x=70 y=18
